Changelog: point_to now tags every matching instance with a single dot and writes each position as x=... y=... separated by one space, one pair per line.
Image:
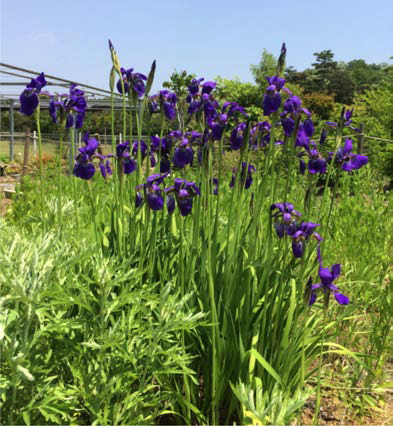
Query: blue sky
x=69 y=39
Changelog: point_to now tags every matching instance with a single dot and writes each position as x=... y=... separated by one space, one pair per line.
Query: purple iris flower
x=346 y=159
x=183 y=155
x=83 y=166
x=167 y=101
x=284 y=218
x=288 y=124
x=302 y=138
x=105 y=165
x=245 y=176
x=134 y=81
x=327 y=276
x=127 y=163
x=272 y=97
x=345 y=120
x=292 y=109
x=217 y=127
x=308 y=127
x=237 y=136
x=232 y=109
x=184 y=192
x=300 y=235
x=316 y=162
x=29 y=97
x=143 y=148
x=152 y=191
x=74 y=101
x=208 y=87
x=170 y=203
x=193 y=88
x=323 y=137
x=260 y=134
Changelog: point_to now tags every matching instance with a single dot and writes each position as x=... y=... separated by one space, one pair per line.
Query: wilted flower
x=29 y=97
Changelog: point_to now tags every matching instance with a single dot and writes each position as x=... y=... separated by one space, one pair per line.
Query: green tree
x=178 y=83
x=267 y=67
x=247 y=95
x=324 y=66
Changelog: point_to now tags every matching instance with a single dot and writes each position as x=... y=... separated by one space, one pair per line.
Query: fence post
x=26 y=151
x=11 y=130
x=120 y=138
x=361 y=139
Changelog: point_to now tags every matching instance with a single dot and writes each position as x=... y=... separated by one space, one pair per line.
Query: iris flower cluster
x=287 y=221
x=74 y=101
x=167 y=101
x=181 y=193
x=184 y=192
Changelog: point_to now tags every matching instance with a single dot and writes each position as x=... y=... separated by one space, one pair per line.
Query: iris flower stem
x=318 y=399
x=123 y=95
x=218 y=190
x=130 y=115
x=59 y=194
x=94 y=213
x=116 y=169
x=309 y=194
x=37 y=120
x=334 y=194
x=215 y=326
x=290 y=173
x=72 y=137
x=139 y=132
x=181 y=277
x=272 y=154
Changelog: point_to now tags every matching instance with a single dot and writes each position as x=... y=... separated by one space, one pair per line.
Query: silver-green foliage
x=82 y=340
